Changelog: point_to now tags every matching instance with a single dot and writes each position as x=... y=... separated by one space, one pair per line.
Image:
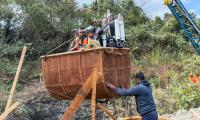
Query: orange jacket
x=81 y=43
x=85 y=41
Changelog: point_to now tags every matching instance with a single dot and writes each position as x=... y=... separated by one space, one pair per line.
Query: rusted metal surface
x=65 y=73
x=80 y=97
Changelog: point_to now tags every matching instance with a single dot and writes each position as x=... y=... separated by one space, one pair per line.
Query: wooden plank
x=131 y=118
x=16 y=78
x=79 y=98
x=107 y=111
x=162 y=118
x=94 y=83
x=9 y=110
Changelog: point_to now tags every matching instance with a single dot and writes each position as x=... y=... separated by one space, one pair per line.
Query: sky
x=154 y=8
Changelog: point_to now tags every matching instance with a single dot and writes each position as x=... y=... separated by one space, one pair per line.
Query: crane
x=186 y=22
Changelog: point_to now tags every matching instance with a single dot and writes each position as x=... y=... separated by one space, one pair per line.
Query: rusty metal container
x=65 y=73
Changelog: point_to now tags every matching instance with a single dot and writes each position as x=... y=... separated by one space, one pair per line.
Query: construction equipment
x=79 y=75
x=65 y=73
x=119 y=31
x=115 y=30
x=186 y=22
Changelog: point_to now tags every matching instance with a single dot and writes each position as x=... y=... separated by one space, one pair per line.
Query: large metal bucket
x=65 y=73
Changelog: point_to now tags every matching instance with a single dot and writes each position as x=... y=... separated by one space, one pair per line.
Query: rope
x=60 y=46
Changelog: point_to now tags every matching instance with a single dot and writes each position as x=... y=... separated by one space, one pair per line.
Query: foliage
x=9 y=60
x=168 y=74
x=158 y=47
x=198 y=22
x=188 y=96
x=46 y=24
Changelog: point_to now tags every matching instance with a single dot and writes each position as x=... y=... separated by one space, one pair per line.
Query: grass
x=167 y=73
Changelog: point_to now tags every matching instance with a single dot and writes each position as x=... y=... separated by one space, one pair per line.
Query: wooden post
x=94 y=84
x=16 y=78
x=8 y=111
x=106 y=111
x=80 y=97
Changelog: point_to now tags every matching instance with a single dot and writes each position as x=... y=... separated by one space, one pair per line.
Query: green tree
x=47 y=23
x=170 y=25
x=6 y=17
x=198 y=22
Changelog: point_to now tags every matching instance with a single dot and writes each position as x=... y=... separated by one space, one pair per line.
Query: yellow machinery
x=167 y=2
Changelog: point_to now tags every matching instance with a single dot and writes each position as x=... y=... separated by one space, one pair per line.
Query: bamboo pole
x=9 y=110
x=79 y=98
x=94 y=83
x=131 y=118
x=16 y=78
x=106 y=111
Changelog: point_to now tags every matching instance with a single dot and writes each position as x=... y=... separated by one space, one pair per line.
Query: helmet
x=74 y=31
x=91 y=29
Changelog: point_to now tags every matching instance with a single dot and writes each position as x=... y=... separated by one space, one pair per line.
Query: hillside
x=158 y=47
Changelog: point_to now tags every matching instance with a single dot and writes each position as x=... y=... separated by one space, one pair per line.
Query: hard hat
x=74 y=31
x=91 y=29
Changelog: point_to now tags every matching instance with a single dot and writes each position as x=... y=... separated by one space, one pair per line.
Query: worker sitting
x=79 y=39
x=73 y=43
x=90 y=42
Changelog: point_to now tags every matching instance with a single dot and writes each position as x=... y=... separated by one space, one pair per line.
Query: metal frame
x=186 y=23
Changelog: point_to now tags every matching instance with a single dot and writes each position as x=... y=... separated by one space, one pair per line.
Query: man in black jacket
x=143 y=95
x=110 y=29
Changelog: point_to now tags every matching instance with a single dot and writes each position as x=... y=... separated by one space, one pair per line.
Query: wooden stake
x=106 y=111
x=94 y=84
x=9 y=110
x=131 y=118
x=16 y=78
x=80 y=97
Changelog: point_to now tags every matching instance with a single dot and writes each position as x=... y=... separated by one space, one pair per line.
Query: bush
x=188 y=95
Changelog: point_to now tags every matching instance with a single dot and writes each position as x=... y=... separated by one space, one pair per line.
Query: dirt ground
x=193 y=114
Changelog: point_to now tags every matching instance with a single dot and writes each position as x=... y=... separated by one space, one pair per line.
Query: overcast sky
x=156 y=8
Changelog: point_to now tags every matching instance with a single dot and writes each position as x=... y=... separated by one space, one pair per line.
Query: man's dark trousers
x=150 y=116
